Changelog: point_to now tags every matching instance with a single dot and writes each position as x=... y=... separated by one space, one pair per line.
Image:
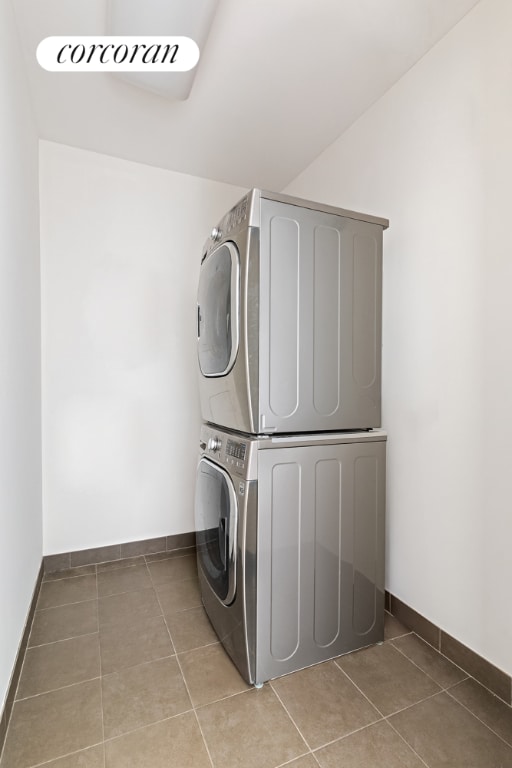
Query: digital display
x=237 y=450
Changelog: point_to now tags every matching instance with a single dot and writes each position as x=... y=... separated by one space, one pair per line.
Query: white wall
x=435 y=156
x=120 y=252
x=20 y=405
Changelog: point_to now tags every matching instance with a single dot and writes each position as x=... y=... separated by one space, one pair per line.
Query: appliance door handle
x=198 y=321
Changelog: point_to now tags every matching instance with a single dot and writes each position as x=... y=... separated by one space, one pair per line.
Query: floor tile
x=144 y=547
x=418 y=623
x=393 y=627
x=128 y=607
x=387 y=678
x=487 y=707
x=179 y=596
x=181 y=552
x=323 y=703
x=96 y=555
x=251 y=730
x=482 y=670
x=53 y=724
x=126 y=562
x=443 y=734
x=166 y=677
x=116 y=581
x=128 y=644
x=142 y=695
x=83 y=570
x=60 y=562
x=430 y=661
x=64 y=591
x=210 y=674
x=63 y=622
x=86 y=758
x=175 y=742
x=65 y=662
x=308 y=761
x=180 y=541
x=376 y=746
x=191 y=629
x=173 y=569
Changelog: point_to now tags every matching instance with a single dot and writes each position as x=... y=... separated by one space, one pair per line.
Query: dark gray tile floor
x=123 y=670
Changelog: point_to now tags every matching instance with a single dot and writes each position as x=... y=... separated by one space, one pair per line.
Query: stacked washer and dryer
x=290 y=490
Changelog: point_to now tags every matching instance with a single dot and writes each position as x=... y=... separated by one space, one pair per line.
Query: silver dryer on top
x=289 y=318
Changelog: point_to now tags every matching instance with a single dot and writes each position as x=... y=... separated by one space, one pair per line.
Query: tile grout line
x=442 y=687
x=468 y=676
x=60 y=688
x=347 y=735
x=437 y=650
x=110 y=739
x=14 y=699
x=62 y=640
x=67 y=754
x=359 y=689
x=290 y=762
x=229 y=695
x=102 y=712
x=407 y=743
x=509 y=744
x=183 y=676
x=310 y=751
x=440 y=651
x=63 y=605
x=433 y=696
x=139 y=664
x=384 y=718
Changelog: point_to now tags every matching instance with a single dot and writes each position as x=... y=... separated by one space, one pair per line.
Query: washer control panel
x=236 y=449
x=235 y=453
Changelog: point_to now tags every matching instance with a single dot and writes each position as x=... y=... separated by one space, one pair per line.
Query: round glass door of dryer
x=216 y=515
x=218 y=302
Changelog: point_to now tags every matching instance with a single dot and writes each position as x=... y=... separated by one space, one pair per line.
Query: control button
x=216 y=234
x=214 y=444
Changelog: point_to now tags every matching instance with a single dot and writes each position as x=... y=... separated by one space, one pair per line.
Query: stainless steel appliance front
x=289 y=318
x=308 y=562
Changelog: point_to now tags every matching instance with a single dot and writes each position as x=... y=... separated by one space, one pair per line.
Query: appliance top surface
x=237 y=452
x=314 y=206
x=246 y=213
x=323 y=438
x=296 y=439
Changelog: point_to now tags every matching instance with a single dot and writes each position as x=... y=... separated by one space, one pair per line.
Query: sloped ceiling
x=278 y=81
